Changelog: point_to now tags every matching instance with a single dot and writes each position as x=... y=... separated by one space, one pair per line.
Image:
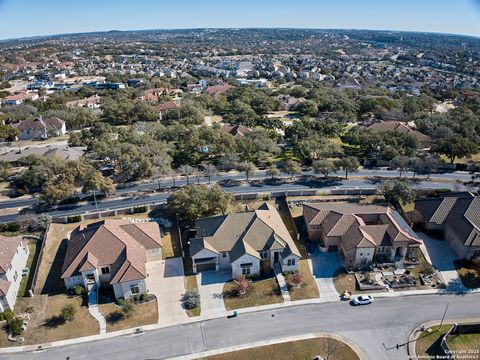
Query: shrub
x=127 y=308
x=74 y=219
x=266 y=197
x=140 y=209
x=191 y=299
x=78 y=290
x=15 y=326
x=43 y=221
x=68 y=312
x=143 y=296
x=7 y=316
x=426 y=269
x=297 y=279
x=11 y=226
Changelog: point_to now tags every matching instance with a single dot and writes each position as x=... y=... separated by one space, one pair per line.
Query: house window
x=15 y=276
x=264 y=254
x=361 y=254
x=224 y=254
x=134 y=289
x=105 y=270
x=246 y=271
x=291 y=262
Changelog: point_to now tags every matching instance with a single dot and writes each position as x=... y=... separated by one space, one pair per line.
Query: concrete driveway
x=442 y=256
x=324 y=266
x=165 y=281
x=210 y=287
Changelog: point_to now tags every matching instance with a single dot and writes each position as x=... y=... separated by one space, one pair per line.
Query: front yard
x=328 y=348
x=45 y=323
x=308 y=288
x=142 y=314
x=263 y=291
x=345 y=282
x=468 y=274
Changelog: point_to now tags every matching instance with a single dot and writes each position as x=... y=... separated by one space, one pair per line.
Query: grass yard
x=171 y=246
x=464 y=342
x=143 y=314
x=428 y=344
x=45 y=325
x=308 y=289
x=345 y=282
x=469 y=276
x=294 y=350
x=260 y=292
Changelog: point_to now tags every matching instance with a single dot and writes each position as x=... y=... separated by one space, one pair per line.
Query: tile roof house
x=18 y=99
x=64 y=152
x=39 y=128
x=112 y=252
x=458 y=217
x=398 y=126
x=218 y=89
x=362 y=234
x=92 y=102
x=235 y=130
x=165 y=107
x=244 y=243
x=13 y=258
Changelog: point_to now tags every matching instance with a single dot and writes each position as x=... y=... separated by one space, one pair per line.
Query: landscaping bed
x=190 y=281
x=308 y=288
x=328 y=348
x=262 y=291
x=468 y=274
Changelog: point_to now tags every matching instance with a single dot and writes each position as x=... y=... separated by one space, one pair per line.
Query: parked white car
x=362 y=300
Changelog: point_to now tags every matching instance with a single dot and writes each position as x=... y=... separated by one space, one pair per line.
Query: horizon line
x=46 y=36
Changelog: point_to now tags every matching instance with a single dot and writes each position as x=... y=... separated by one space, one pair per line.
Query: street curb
x=361 y=355
x=417 y=331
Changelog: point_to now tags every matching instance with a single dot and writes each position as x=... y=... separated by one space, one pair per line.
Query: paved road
x=375 y=328
x=128 y=200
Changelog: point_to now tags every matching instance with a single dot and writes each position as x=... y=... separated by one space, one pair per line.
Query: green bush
x=143 y=296
x=78 y=290
x=74 y=219
x=13 y=226
x=68 y=312
x=7 y=316
x=15 y=326
x=191 y=299
x=140 y=209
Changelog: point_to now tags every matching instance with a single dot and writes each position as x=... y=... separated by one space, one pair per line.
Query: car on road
x=362 y=300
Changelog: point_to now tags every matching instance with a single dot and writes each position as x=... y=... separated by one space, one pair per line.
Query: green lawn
x=330 y=349
x=260 y=292
x=465 y=342
x=428 y=344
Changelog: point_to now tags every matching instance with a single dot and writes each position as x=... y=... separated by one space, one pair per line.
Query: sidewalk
x=282 y=284
x=94 y=311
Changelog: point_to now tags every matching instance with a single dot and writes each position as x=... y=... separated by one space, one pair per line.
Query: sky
x=23 y=18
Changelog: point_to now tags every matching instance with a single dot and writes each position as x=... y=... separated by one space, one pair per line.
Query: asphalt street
x=376 y=328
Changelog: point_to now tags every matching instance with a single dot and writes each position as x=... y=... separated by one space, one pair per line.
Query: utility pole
x=443 y=318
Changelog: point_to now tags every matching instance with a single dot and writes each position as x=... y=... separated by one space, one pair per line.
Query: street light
x=445 y=313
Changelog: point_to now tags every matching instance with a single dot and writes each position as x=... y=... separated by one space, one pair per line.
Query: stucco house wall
x=293 y=266
x=364 y=256
x=124 y=289
x=245 y=259
x=14 y=275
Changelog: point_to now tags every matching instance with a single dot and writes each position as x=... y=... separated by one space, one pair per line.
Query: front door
x=275 y=257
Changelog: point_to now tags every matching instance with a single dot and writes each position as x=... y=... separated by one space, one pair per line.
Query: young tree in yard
x=272 y=171
x=242 y=285
x=349 y=164
x=248 y=168
x=297 y=279
x=397 y=192
x=292 y=168
x=324 y=167
x=68 y=312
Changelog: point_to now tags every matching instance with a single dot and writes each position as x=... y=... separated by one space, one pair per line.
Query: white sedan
x=362 y=300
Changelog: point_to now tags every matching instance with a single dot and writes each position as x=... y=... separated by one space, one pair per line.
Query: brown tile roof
x=50 y=123
x=115 y=242
x=218 y=89
x=8 y=248
x=400 y=127
x=235 y=130
x=4 y=286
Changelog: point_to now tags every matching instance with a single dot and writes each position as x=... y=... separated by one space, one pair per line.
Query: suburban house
x=245 y=243
x=164 y=108
x=39 y=128
x=218 y=89
x=362 y=234
x=235 y=130
x=458 y=217
x=18 y=99
x=402 y=127
x=112 y=252
x=288 y=102
x=13 y=258
x=92 y=102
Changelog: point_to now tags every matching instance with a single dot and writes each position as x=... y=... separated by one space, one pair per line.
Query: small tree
x=291 y=168
x=187 y=170
x=15 y=326
x=68 y=312
x=272 y=171
x=325 y=167
x=242 y=285
x=349 y=164
x=210 y=171
x=297 y=279
x=397 y=192
x=191 y=299
x=248 y=168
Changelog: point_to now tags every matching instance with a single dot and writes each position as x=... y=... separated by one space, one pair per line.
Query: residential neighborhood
x=279 y=188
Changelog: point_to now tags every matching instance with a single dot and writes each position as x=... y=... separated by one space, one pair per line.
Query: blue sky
x=20 y=18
